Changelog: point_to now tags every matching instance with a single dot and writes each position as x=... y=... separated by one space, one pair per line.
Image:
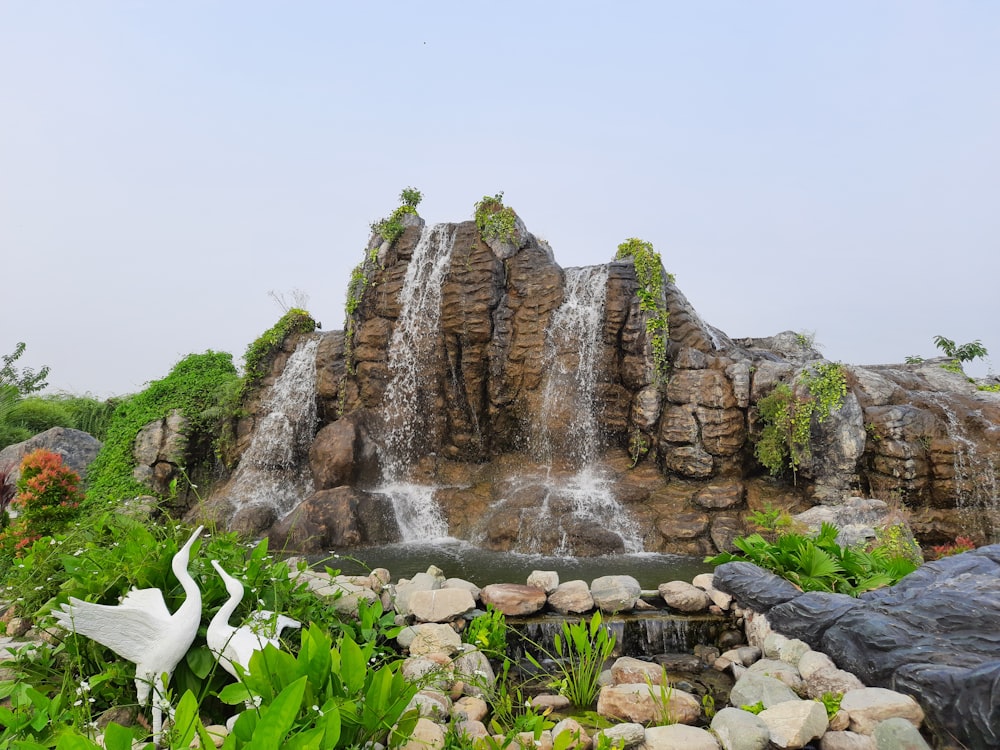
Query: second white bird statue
x=232 y=645
x=142 y=630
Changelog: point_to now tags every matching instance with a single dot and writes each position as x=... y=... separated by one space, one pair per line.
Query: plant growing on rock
x=391 y=227
x=196 y=385
x=788 y=415
x=650 y=275
x=494 y=220
x=962 y=352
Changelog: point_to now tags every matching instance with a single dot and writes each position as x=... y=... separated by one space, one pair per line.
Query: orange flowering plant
x=48 y=498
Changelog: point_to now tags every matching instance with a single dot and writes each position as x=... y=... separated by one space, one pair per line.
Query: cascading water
x=976 y=490
x=408 y=411
x=274 y=470
x=567 y=432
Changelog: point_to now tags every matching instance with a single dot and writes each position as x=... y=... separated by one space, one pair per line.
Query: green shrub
x=37 y=414
x=819 y=563
x=494 y=220
x=261 y=352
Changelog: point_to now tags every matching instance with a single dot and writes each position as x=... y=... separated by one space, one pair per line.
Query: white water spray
x=567 y=428
x=274 y=469
x=409 y=410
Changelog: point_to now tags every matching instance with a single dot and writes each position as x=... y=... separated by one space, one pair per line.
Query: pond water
x=480 y=566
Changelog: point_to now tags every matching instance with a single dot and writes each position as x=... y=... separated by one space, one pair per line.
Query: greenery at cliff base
x=819 y=563
x=196 y=385
x=650 y=275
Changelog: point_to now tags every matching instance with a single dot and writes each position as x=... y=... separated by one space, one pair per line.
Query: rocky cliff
x=449 y=375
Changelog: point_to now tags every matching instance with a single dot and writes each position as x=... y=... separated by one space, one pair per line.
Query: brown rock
x=513 y=598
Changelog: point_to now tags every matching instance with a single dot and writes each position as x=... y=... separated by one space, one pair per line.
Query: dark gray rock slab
x=808 y=616
x=754 y=587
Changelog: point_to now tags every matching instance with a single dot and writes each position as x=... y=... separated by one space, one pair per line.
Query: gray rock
x=572 y=597
x=753 y=587
x=684 y=597
x=679 y=737
x=779 y=670
x=898 y=734
x=546 y=580
x=615 y=593
x=846 y=741
x=795 y=724
x=629 y=734
x=433 y=638
x=753 y=687
x=77 y=449
x=740 y=730
x=439 y=605
x=868 y=706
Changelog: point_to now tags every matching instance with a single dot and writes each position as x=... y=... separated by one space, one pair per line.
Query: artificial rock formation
x=675 y=449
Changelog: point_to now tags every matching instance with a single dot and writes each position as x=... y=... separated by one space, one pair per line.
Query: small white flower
x=78 y=702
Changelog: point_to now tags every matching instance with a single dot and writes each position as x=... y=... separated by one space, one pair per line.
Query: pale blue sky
x=816 y=167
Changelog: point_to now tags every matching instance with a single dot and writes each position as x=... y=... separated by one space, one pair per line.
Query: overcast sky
x=821 y=167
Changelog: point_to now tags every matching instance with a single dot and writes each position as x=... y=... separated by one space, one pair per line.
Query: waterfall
x=568 y=425
x=567 y=430
x=975 y=479
x=274 y=469
x=409 y=399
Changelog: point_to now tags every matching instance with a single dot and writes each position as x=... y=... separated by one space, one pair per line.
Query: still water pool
x=480 y=566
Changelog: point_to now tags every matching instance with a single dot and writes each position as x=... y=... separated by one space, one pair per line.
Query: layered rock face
x=444 y=376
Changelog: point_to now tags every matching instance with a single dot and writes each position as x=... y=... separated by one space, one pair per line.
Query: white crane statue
x=232 y=645
x=142 y=630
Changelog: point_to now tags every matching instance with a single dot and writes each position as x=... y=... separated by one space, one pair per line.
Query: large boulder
x=78 y=449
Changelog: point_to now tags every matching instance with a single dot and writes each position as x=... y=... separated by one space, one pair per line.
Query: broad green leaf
x=74 y=742
x=279 y=717
x=186 y=719
x=353 y=666
x=235 y=694
x=117 y=737
x=307 y=740
x=200 y=661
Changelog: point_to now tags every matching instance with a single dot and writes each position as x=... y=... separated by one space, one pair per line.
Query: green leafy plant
x=913 y=359
x=260 y=353
x=831 y=702
x=579 y=654
x=650 y=275
x=708 y=705
x=961 y=352
x=787 y=416
x=770 y=518
x=391 y=227
x=754 y=708
x=410 y=196
x=494 y=220
x=662 y=693
x=989 y=387
x=323 y=697
x=488 y=633
x=24 y=380
x=819 y=563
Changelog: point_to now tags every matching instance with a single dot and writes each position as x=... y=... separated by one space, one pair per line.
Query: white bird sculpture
x=142 y=630
x=232 y=645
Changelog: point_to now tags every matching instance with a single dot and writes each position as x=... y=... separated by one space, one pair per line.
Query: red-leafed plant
x=48 y=497
x=7 y=491
x=961 y=544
